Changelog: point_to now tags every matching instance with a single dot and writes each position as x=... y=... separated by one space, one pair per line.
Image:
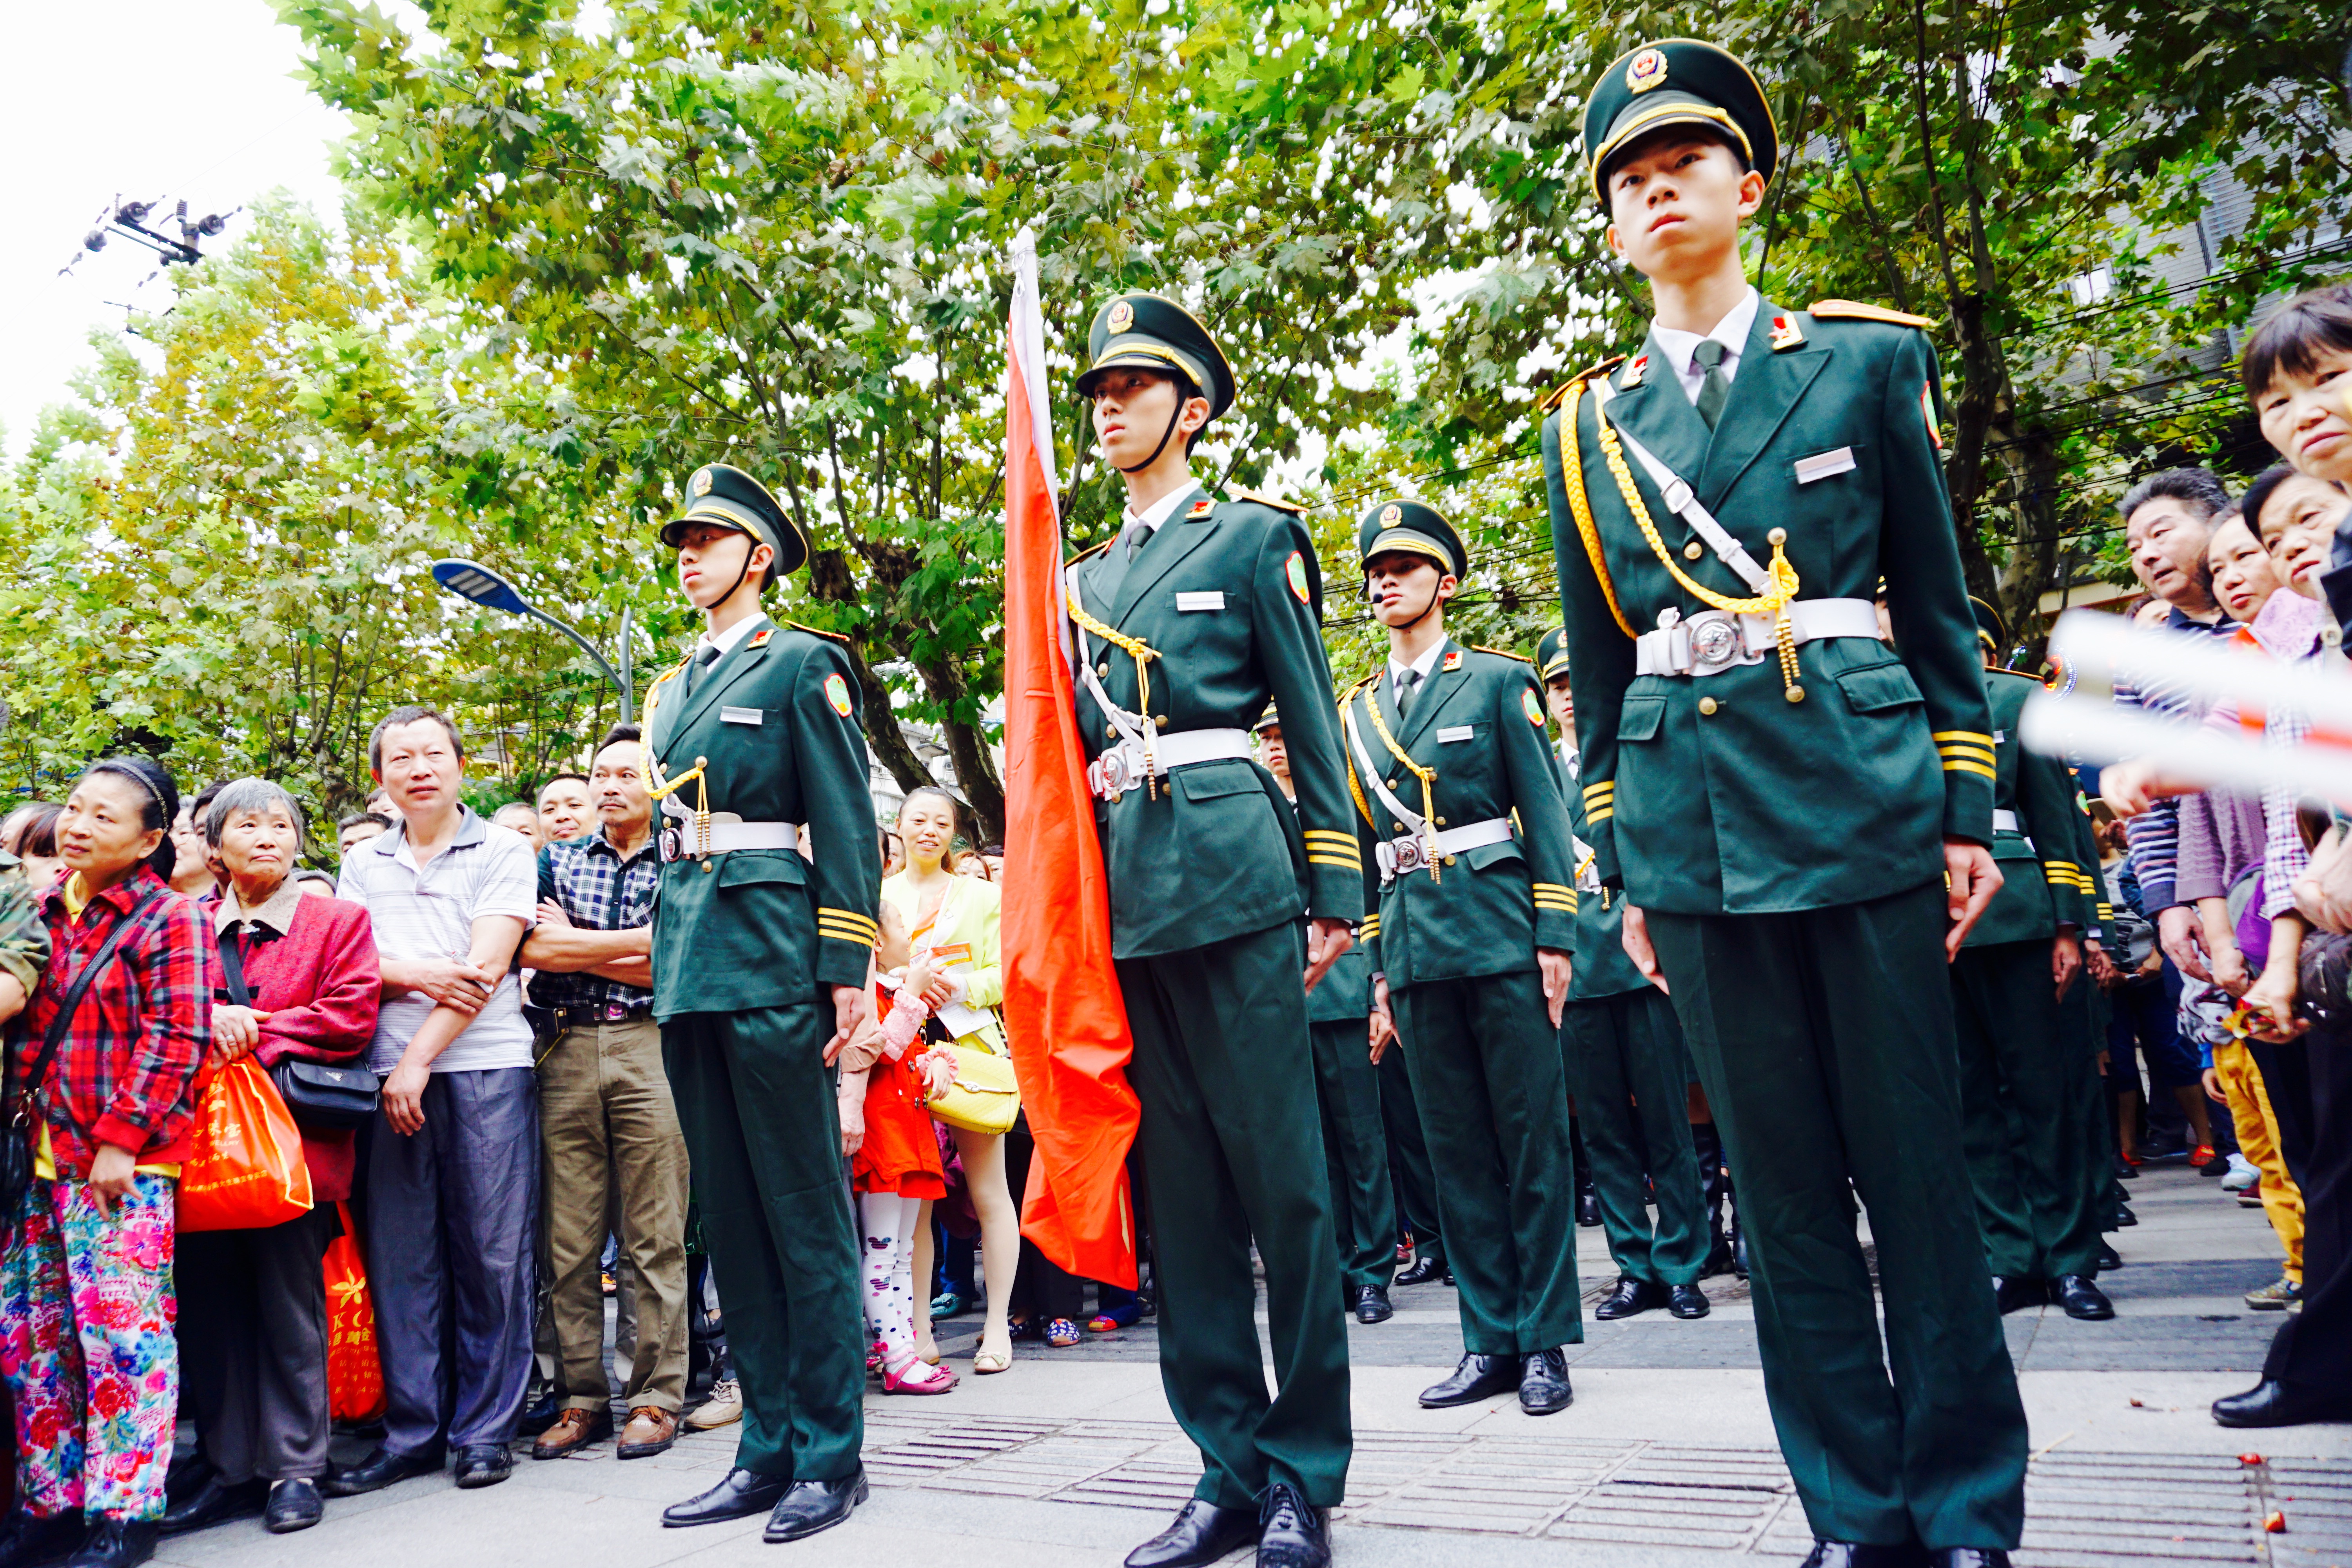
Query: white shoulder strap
x=1414 y=821
x=1683 y=501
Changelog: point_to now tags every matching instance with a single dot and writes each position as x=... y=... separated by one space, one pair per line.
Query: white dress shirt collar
x=1161 y=510
x=1420 y=666
x=726 y=640
x=1731 y=333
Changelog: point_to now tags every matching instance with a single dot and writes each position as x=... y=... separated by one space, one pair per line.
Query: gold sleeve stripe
x=1598 y=813
x=1565 y=905
x=1959 y=765
x=1333 y=860
x=1606 y=786
x=1555 y=887
x=1973 y=753
x=851 y=938
x=848 y=917
x=1371 y=928
x=1328 y=833
x=1979 y=739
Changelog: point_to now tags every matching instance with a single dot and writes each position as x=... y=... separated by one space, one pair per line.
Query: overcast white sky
x=148 y=97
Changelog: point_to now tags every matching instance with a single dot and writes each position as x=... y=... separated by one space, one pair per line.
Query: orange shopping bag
x=354 y=1374
x=249 y=1170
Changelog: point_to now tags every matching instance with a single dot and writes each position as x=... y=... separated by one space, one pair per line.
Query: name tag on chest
x=1821 y=465
x=740 y=716
x=1453 y=732
x=1211 y=599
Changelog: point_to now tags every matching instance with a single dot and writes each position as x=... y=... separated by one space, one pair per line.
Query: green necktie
x=1716 y=386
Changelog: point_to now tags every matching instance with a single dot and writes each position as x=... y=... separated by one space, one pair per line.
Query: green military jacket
x=1716 y=794
x=2042 y=886
x=1479 y=725
x=1344 y=995
x=24 y=935
x=1601 y=967
x=773 y=725
x=1229 y=599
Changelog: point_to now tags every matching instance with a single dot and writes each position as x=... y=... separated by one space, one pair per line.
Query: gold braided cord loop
x=693 y=775
x=1428 y=777
x=1347 y=754
x=1773 y=602
x=1571 y=465
x=1143 y=653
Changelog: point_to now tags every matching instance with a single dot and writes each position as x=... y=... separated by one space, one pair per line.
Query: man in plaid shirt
x=606 y=1121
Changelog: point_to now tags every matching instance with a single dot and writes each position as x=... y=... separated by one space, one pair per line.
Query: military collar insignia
x=1452 y=659
x=759 y=638
x=1786 y=333
x=1631 y=378
x=1646 y=70
x=1202 y=507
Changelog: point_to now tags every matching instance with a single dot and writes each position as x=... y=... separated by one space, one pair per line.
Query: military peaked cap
x=725 y=495
x=1551 y=654
x=1989 y=625
x=1269 y=720
x=1677 y=82
x=1409 y=526
x=1159 y=334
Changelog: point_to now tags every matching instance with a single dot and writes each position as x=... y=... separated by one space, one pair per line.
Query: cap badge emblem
x=700 y=484
x=1646 y=70
x=1122 y=315
x=1390 y=515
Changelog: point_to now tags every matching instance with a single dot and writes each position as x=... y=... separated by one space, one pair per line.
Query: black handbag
x=324 y=1097
x=23 y=1103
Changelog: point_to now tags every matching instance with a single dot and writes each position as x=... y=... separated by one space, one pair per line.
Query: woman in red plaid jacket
x=86 y=1300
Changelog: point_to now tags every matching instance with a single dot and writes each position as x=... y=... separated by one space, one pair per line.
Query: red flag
x=1063 y=1011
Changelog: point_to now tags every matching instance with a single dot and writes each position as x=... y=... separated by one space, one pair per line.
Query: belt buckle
x=1718 y=642
x=1120 y=769
x=669 y=846
x=613 y=1012
x=1411 y=855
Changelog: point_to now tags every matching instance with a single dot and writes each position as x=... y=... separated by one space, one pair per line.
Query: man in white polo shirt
x=452 y=1160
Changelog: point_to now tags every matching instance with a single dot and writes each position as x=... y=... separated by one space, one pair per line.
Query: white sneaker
x=2241 y=1174
x=723 y=1408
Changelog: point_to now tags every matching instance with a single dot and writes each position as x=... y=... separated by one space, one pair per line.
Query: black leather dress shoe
x=1294 y=1533
x=1477 y=1377
x=111 y=1542
x=1201 y=1533
x=213 y=1501
x=540 y=1416
x=1967 y=1557
x=2083 y=1300
x=2268 y=1404
x=28 y=1540
x=1687 y=1301
x=1862 y=1554
x=2109 y=1258
x=1543 y=1383
x=1372 y=1304
x=381 y=1469
x=1448 y=1279
x=2016 y=1295
x=294 y=1504
x=1628 y=1297
x=2124 y=1216
x=808 y=1507
x=739 y=1495
x=1588 y=1209
x=1424 y=1269
x=484 y=1464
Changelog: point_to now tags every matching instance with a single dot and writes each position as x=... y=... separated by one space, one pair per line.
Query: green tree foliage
x=220 y=549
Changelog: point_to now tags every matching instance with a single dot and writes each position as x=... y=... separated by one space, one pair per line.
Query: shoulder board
x=818 y=632
x=674 y=670
x=1348 y=694
x=1848 y=309
x=2020 y=674
x=1504 y=653
x=1550 y=400
x=1090 y=550
x=1291 y=507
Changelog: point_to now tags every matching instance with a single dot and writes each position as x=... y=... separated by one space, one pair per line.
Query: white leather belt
x=724 y=834
x=1401 y=856
x=1716 y=640
x=2004 y=821
x=1121 y=767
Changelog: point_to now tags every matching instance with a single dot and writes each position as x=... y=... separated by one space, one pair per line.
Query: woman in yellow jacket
x=956 y=966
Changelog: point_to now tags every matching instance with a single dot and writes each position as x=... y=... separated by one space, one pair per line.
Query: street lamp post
x=478 y=584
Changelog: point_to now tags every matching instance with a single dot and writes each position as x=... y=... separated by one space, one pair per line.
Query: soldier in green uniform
x=1623 y=1054
x=1798 y=816
x=1467 y=851
x=760 y=966
x=1355 y=1147
x=1185 y=624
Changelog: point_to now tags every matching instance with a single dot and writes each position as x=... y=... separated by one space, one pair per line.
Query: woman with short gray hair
x=304 y=983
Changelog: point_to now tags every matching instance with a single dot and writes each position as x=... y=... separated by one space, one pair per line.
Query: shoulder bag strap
x=233 y=967
x=63 y=1021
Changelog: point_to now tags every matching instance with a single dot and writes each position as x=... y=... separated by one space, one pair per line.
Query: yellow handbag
x=984 y=1097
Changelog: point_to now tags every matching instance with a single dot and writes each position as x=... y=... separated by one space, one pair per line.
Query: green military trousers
x=756 y=1102
x=1624 y=1058
x=1233 y=1149
x=2024 y=1097
x=1825 y=1046
x=1415 y=1185
x=1493 y=1108
x=1356 y=1154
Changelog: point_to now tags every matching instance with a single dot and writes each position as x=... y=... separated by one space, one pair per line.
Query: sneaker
x=2201 y=1156
x=2252 y=1198
x=723 y=1408
x=2275 y=1296
x=2241 y=1174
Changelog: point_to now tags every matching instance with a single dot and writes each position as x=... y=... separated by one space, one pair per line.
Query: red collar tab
x=1786 y=333
x=759 y=638
x=1634 y=373
x=1452 y=659
x=1202 y=507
